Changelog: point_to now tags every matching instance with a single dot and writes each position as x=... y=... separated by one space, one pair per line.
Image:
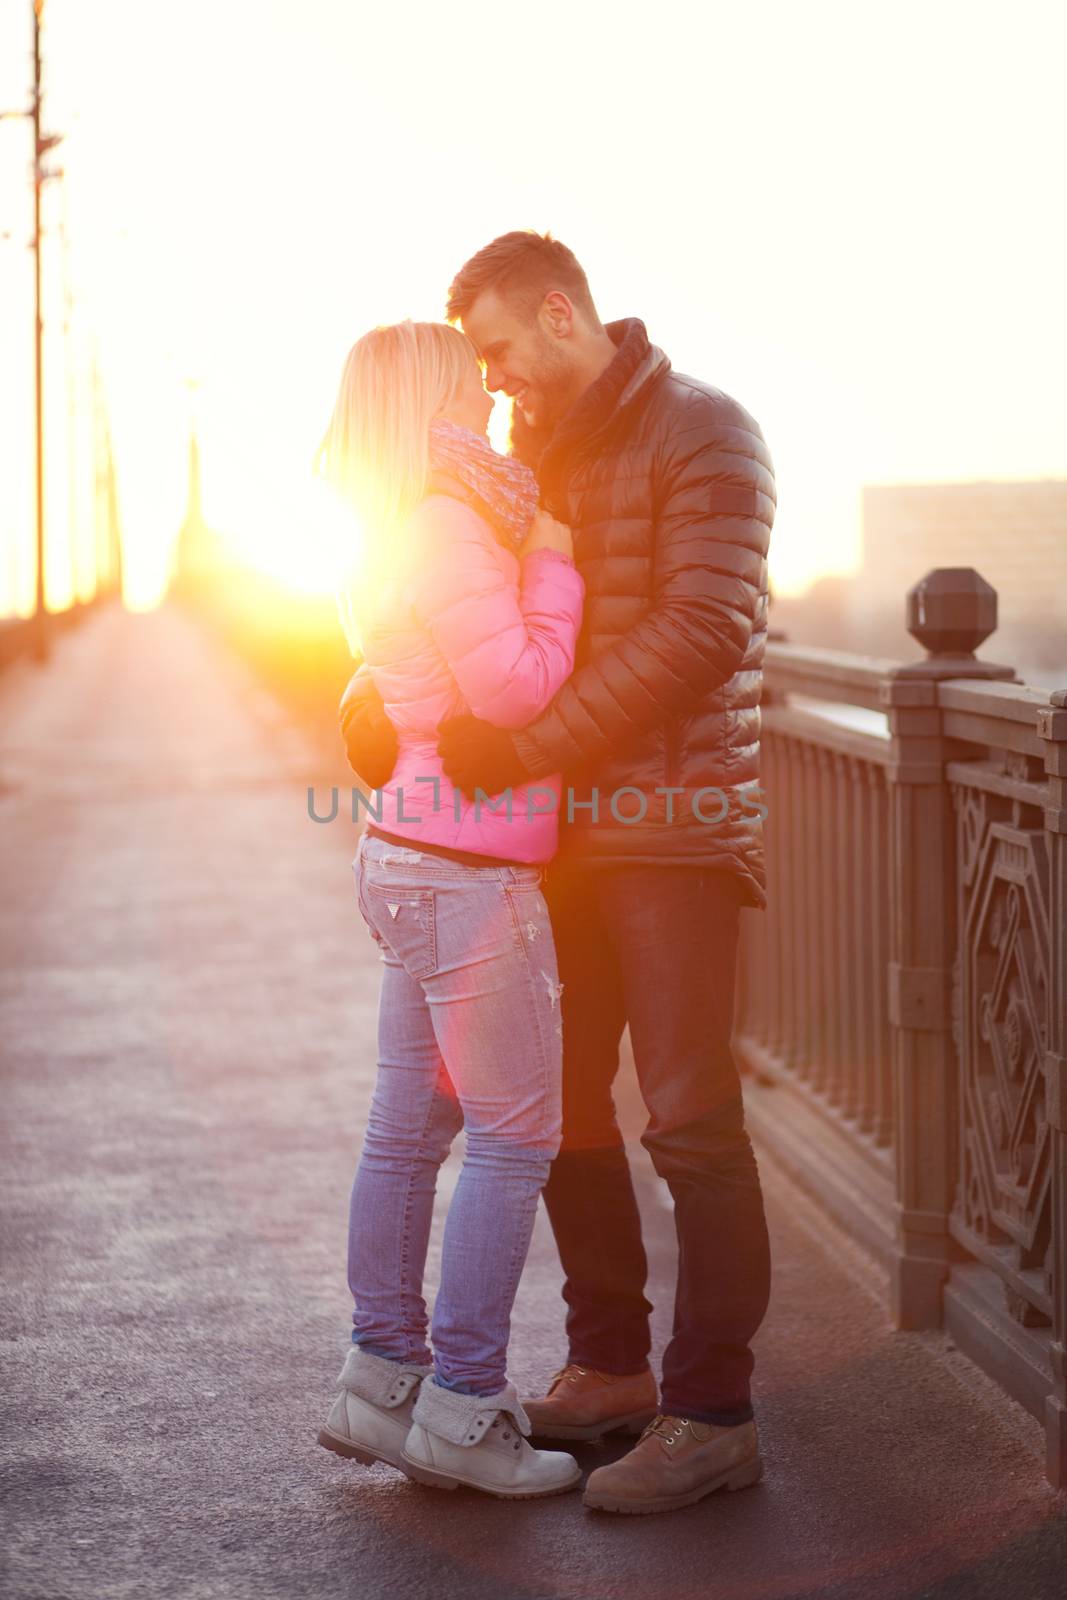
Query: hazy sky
x=848 y=215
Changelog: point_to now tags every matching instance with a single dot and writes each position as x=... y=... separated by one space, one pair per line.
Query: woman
x=469 y=600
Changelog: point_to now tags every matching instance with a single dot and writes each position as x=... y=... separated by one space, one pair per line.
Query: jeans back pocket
x=403 y=919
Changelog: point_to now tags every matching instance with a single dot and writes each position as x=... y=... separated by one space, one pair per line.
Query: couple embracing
x=562 y=650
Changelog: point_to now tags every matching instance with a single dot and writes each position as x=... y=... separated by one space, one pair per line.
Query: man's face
x=525 y=359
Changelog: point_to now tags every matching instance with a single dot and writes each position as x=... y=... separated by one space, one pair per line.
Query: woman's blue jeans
x=469 y=1035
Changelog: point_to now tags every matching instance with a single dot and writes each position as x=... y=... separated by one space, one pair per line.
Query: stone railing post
x=950 y=612
x=1052 y=727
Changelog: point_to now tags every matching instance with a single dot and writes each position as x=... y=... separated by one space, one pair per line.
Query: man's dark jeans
x=656 y=946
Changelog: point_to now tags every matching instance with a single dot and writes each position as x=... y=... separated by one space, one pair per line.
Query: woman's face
x=470 y=407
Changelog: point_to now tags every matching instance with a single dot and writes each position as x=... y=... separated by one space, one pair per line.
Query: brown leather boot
x=675 y=1463
x=582 y=1403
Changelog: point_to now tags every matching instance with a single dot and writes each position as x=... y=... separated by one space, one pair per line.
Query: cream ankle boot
x=371 y=1417
x=480 y=1441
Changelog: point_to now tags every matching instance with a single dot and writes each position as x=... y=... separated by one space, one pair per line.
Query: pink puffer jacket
x=471 y=628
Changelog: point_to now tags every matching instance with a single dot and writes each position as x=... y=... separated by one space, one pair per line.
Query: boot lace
x=568 y=1374
x=670 y=1429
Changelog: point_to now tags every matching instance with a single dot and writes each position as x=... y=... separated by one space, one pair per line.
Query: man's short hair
x=522 y=267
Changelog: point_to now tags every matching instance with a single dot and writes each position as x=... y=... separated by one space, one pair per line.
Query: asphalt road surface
x=188 y=1000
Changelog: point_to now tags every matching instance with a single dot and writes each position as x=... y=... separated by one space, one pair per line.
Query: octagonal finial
x=951 y=611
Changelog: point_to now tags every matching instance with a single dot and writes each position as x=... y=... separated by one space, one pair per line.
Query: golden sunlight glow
x=302 y=534
x=307 y=539
x=855 y=285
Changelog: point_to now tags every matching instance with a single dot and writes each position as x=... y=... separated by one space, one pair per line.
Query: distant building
x=1015 y=534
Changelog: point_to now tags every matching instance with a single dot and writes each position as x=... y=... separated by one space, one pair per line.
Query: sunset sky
x=848 y=215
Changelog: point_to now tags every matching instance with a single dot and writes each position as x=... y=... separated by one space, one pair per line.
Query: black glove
x=476 y=755
x=369 y=736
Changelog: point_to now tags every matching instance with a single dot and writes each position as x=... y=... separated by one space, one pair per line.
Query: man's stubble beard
x=556 y=393
x=556 y=388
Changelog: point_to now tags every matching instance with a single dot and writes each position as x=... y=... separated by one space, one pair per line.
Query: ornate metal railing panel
x=813 y=1008
x=902 y=1003
x=1003 y=1210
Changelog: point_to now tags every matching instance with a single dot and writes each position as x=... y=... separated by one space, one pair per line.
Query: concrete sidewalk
x=188 y=1019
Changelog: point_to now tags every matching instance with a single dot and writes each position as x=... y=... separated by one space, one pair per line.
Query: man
x=669 y=488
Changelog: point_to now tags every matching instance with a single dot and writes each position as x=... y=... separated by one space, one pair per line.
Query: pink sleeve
x=509 y=645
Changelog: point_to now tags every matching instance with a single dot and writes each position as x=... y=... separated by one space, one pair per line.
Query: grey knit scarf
x=506 y=488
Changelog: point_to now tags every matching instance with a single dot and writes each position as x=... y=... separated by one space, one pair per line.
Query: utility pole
x=42 y=143
x=40 y=634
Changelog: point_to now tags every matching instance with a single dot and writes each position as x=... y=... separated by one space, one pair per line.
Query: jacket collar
x=627 y=375
x=441 y=481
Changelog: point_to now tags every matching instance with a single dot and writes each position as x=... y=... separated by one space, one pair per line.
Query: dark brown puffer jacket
x=669 y=488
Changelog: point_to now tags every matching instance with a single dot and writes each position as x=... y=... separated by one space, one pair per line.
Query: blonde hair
x=375 y=452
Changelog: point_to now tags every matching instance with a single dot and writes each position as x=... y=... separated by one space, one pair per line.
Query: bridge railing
x=902 y=1002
